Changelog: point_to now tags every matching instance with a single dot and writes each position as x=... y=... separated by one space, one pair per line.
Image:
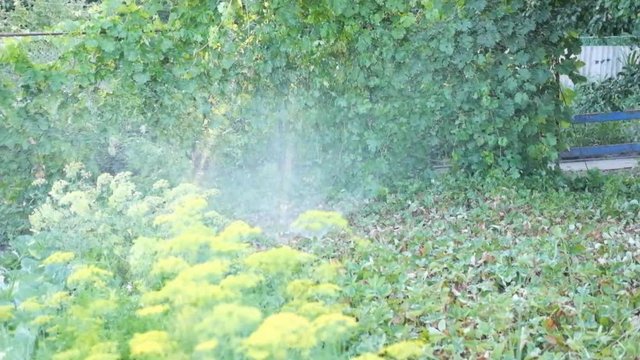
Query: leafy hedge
x=329 y=91
x=369 y=88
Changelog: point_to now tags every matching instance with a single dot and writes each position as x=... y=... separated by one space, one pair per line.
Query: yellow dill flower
x=105 y=347
x=278 y=334
x=164 y=219
x=362 y=244
x=59 y=257
x=57 y=299
x=279 y=260
x=180 y=293
x=208 y=271
x=160 y=185
x=299 y=288
x=185 y=211
x=88 y=275
x=368 y=356
x=138 y=209
x=228 y=246
x=143 y=253
x=79 y=202
x=333 y=327
x=230 y=320
x=242 y=281
x=327 y=271
x=104 y=351
x=404 y=350
x=103 y=181
x=44 y=216
x=53 y=330
x=207 y=345
x=152 y=310
x=101 y=356
x=30 y=305
x=304 y=289
x=72 y=354
x=318 y=222
x=122 y=189
x=103 y=306
x=42 y=320
x=154 y=297
x=189 y=240
x=150 y=343
x=191 y=205
x=235 y=232
x=72 y=169
x=197 y=294
x=169 y=265
x=91 y=319
x=326 y=290
x=58 y=189
x=6 y=312
x=310 y=310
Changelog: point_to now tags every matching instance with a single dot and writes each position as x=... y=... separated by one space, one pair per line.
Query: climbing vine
x=364 y=89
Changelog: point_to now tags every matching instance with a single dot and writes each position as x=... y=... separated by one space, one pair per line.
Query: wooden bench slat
x=606 y=117
x=600 y=150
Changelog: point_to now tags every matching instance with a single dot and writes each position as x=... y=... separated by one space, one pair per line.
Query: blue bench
x=603 y=150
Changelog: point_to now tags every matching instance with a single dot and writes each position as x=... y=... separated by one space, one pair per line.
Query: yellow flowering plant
x=321 y=232
x=101 y=219
x=185 y=288
x=319 y=223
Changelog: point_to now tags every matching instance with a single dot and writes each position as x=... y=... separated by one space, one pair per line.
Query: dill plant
x=186 y=284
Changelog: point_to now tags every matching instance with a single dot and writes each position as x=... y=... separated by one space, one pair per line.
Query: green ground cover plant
x=500 y=270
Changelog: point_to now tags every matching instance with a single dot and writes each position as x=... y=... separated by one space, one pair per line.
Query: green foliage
x=422 y=81
x=49 y=119
x=495 y=268
x=609 y=17
x=370 y=90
